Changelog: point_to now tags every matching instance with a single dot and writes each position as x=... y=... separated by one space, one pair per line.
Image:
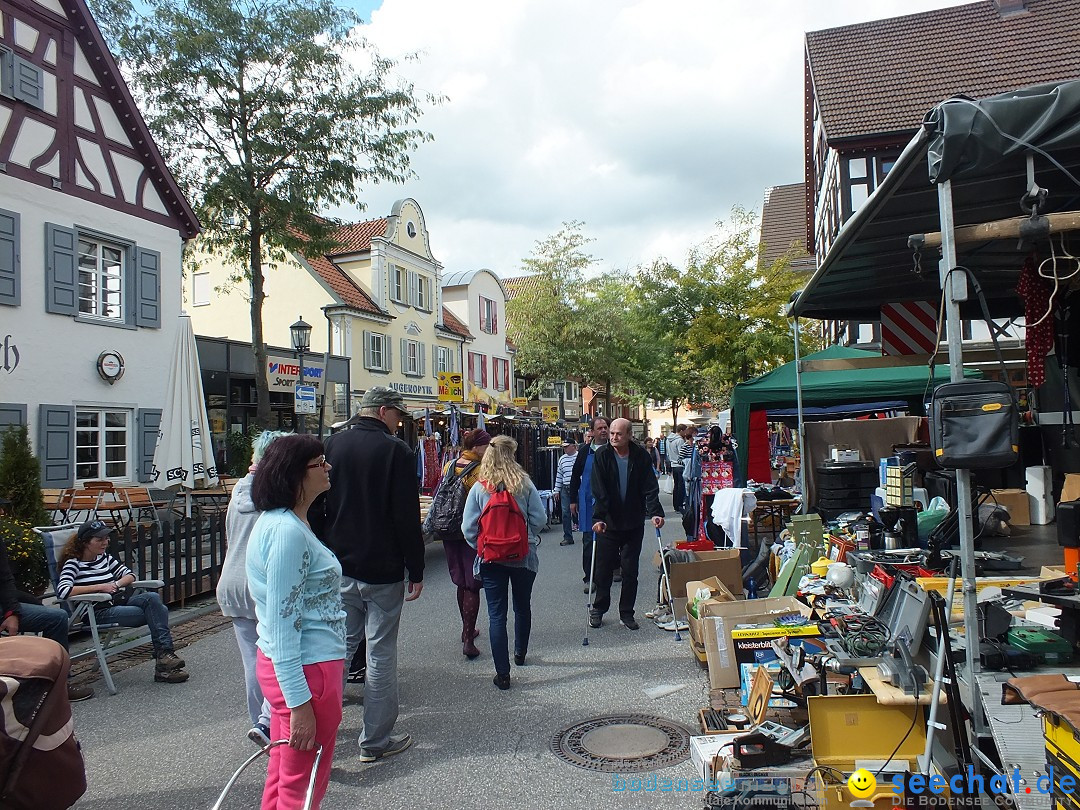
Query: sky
x=647 y=120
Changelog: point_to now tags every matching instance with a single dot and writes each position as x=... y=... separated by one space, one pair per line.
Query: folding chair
x=141 y=507
x=80 y=505
x=106 y=637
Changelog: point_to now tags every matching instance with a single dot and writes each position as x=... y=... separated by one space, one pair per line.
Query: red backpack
x=504 y=532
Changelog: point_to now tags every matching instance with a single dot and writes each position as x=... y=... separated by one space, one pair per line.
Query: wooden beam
x=971 y=356
x=1003 y=229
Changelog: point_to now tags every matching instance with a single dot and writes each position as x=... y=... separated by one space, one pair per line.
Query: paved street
x=174 y=746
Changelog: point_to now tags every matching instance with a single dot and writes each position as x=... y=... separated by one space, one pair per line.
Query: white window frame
x=377 y=347
x=444 y=359
x=476 y=368
x=489 y=316
x=92 y=283
x=572 y=392
x=519 y=387
x=399 y=284
x=549 y=393
x=103 y=471
x=423 y=292
x=200 y=289
x=410 y=363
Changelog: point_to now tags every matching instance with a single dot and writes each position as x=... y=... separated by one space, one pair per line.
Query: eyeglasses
x=320 y=463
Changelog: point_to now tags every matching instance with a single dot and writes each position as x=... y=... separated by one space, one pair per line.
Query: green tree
x=265 y=121
x=20 y=477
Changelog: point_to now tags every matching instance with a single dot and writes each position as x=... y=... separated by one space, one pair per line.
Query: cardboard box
x=720 y=594
x=1070 y=491
x=753 y=649
x=724 y=564
x=705 y=749
x=1016 y=501
x=721 y=619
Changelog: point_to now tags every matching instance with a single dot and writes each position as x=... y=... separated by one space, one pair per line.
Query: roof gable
x=451 y=323
x=881 y=77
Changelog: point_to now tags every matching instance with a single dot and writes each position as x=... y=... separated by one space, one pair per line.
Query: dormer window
x=489 y=316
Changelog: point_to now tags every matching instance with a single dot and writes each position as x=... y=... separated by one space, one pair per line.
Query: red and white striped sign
x=909 y=327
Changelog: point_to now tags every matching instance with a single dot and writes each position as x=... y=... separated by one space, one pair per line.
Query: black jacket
x=371 y=515
x=583 y=452
x=642 y=489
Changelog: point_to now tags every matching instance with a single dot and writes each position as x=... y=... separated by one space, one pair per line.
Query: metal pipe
x=939 y=669
x=801 y=429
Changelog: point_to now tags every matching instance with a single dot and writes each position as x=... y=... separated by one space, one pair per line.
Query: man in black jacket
x=625 y=492
x=372 y=524
x=596 y=436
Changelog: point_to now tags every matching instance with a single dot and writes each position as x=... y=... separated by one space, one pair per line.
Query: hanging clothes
x=1039 y=340
x=585 y=494
x=432 y=471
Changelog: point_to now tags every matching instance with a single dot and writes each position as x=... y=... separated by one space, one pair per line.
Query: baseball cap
x=94 y=528
x=379 y=395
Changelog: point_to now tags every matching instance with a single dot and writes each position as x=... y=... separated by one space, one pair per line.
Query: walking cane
x=667 y=580
x=589 y=598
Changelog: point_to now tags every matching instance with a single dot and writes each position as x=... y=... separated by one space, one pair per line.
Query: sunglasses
x=320 y=463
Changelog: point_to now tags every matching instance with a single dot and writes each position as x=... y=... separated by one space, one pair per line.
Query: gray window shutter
x=148 y=288
x=421 y=358
x=56 y=445
x=368 y=361
x=12 y=414
x=149 y=425
x=7 y=71
x=388 y=357
x=435 y=359
x=61 y=270
x=27 y=84
x=9 y=258
x=404 y=356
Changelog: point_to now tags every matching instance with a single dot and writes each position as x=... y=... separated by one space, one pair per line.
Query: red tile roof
x=344 y=287
x=357 y=236
x=881 y=77
x=520 y=284
x=452 y=324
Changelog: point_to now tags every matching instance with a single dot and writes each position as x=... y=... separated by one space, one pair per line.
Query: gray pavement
x=174 y=746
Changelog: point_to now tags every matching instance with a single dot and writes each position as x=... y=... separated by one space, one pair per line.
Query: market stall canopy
x=982 y=147
x=837 y=387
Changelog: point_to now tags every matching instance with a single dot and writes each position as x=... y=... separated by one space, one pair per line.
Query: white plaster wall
x=58 y=356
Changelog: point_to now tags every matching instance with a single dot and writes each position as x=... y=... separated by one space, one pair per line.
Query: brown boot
x=470 y=608
x=465 y=633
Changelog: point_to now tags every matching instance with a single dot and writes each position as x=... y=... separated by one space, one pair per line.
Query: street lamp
x=301 y=342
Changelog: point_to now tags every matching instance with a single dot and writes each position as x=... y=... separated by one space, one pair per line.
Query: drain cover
x=623 y=743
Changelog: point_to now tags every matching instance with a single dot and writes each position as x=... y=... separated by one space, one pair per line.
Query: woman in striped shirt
x=86 y=567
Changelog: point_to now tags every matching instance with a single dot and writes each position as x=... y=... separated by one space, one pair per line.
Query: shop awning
x=980 y=147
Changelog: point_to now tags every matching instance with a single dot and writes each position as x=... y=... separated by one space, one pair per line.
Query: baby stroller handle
x=266 y=750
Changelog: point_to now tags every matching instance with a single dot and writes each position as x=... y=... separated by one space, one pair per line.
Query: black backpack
x=448 y=503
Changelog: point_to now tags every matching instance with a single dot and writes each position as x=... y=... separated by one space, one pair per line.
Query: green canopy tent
x=821 y=388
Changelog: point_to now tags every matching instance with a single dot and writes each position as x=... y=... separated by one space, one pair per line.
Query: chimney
x=1006 y=8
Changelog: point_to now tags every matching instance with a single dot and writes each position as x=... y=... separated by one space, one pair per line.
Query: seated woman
x=87 y=567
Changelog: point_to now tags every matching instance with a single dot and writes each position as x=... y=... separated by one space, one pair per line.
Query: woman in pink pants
x=295 y=583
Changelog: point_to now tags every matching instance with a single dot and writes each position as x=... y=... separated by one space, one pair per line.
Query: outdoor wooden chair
x=79 y=505
x=106 y=638
x=53 y=499
x=140 y=506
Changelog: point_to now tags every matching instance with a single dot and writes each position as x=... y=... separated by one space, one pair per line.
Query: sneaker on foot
x=77 y=693
x=596 y=618
x=566 y=541
x=519 y=659
x=397 y=744
x=169 y=660
x=501 y=681
x=170 y=675
x=617 y=577
x=630 y=623
x=260 y=735
x=356 y=675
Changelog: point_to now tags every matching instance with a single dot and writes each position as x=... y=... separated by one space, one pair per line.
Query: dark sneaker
x=596 y=618
x=630 y=623
x=356 y=675
x=519 y=659
x=170 y=675
x=169 y=660
x=567 y=541
x=397 y=744
x=501 y=681
x=77 y=693
x=617 y=576
x=260 y=735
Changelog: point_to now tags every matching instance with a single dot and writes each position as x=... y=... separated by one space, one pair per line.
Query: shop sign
x=551 y=413
x=9 y=355
x=110 y=366
x=521 y=403
x=554 y=441
x=412 y=388
x=451 y=386
x=283 y=373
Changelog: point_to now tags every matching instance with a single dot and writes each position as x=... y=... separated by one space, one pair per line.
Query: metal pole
x=955 y=288
x=301 y=427
x=801 y=427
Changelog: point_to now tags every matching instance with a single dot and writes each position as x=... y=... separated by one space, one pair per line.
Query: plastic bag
x=928 y=520
x=666 y=484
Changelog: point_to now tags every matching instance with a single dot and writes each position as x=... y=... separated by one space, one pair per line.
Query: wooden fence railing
x=186 y=554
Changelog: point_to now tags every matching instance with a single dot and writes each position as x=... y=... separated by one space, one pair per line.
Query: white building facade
x=478 y=298
x=91 y=231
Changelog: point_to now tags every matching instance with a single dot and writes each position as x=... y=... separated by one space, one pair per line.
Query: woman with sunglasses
x=295 y=582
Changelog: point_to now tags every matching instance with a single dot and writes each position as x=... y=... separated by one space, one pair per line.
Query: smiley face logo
x=862 y=784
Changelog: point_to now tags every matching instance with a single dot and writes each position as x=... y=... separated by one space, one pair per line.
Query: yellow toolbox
x=846 y=728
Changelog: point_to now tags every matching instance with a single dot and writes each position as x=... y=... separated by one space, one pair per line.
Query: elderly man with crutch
x=625 y=492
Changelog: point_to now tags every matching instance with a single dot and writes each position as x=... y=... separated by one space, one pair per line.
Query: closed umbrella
x=184 y=457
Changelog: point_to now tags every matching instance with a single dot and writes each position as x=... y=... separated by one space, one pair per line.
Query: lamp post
x=301 y=341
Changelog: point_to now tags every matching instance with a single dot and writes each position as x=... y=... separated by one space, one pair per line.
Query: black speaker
x=1068 y=524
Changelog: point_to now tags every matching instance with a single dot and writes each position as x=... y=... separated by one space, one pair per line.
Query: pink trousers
x=289 y=770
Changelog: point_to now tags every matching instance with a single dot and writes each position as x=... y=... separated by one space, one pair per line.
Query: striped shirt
x=566 y=470
x=98 y=571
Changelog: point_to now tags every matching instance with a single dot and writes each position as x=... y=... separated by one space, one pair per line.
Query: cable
x=914 y=719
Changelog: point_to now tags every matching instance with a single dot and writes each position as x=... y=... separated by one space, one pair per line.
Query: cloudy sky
x=645 y=119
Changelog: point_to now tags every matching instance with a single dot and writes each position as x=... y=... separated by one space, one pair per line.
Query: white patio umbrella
x=184 y=456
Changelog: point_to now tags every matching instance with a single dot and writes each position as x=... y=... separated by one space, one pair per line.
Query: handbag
x=975 y=424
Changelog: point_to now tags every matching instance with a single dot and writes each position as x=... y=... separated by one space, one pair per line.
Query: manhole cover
x=623 y=743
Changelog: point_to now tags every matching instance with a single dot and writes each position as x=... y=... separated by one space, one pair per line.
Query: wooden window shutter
x=12 y=413
x=388 y=357
x=27 y=83
x=56 y=445
x=483 y=370
x=369 y=361
x=421 y=358
x=61 y=270
x=149 y=425
x=10 y=286
x=148 y=288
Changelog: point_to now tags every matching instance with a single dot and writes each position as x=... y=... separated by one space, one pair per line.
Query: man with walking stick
x=625 y=492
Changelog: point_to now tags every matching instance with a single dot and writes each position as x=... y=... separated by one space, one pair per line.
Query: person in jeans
x=678 y=485
x=23 y=616
x=562 y=486
x=295 y=582
x=501 y=579
x=372 y=524
x=581 y=492
x=232 y=589
x=87 y=567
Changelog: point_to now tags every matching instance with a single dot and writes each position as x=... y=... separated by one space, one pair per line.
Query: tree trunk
x=258 y=343
x=674 y=413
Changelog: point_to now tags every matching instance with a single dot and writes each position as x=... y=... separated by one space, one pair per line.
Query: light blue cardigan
x=531 y=506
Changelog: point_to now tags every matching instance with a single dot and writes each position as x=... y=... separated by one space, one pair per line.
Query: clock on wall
x=110 y=365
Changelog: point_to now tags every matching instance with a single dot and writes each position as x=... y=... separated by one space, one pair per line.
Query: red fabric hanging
x=1036 y=292
x=757 y=458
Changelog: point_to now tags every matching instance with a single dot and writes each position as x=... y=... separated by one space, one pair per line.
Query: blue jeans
x=567 y=518
x=498 y=580
x=50 y=622
x=373 y=612
x=143 y=608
